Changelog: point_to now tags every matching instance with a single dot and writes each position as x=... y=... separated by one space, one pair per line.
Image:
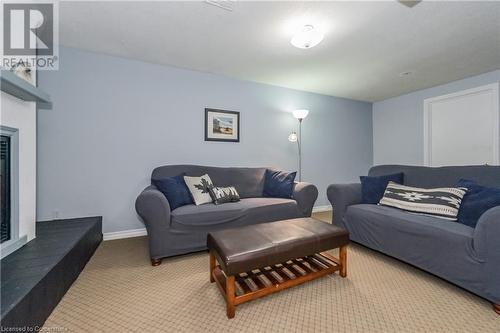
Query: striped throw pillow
x=439 y=202
x=224 y=194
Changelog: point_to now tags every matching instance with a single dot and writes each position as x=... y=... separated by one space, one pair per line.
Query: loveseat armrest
x=486 y=243
x=154 y=209
x=342 y=196
x=305 y=194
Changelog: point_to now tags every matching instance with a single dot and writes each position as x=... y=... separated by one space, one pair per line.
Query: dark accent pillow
x=278 y=184
x=373 y=188
x=175 y=190
x=476 y=202
x=442 y=202
x=224 y=194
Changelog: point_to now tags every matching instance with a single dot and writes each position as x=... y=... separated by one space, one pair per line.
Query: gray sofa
x=468 y=257
x=185 y=229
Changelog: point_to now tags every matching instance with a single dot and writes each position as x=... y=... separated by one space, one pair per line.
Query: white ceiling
x=366 y=44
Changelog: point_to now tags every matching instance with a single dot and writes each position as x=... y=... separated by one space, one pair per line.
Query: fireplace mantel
x=19 y=102
x=17 y=87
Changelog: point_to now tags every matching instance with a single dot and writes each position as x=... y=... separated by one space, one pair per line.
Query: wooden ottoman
x=260 y=259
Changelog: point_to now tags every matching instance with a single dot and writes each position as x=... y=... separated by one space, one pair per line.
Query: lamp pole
x=299 y=139
x=293 y=137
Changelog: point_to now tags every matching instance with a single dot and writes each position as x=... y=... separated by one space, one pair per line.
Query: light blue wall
x=115 y=119
x=398 y=123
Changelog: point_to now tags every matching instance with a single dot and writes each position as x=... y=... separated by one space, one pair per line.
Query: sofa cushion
x=245 y=211
x=372 y=188
x=436 y=245
x=279 y=184
x=175 y=190
x=249 y=182
x=448 y=176
x=476 y=202
x=382 y=215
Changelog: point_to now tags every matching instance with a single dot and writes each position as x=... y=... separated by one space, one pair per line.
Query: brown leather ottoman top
x=260 y=245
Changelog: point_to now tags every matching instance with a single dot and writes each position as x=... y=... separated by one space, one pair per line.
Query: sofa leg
x=496 y=307
x=155 y=262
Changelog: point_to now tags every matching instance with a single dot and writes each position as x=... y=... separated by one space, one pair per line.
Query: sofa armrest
x=487 y=236
x=342 y=196
x=154 y=209
x=486 y=244
x=305 y=194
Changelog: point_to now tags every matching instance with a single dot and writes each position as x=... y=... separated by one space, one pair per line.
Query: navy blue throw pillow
x=476 y=201
x=175 y=190
x=373 y=188
x=278 y=184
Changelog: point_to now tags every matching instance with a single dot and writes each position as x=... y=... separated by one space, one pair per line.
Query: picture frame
x=222 y=125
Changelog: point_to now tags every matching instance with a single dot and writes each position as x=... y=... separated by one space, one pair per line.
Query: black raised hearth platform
x=36 y=277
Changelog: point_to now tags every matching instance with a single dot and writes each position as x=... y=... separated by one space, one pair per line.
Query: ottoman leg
x=230 y=296
x=212 y=266
x=343 y=260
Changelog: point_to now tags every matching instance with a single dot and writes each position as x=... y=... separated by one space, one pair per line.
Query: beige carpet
x=119 y=291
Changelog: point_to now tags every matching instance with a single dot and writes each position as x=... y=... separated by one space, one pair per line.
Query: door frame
x=496 y=116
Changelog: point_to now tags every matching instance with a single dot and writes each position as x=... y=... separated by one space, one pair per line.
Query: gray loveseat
x=185 y=229
x=468 y=257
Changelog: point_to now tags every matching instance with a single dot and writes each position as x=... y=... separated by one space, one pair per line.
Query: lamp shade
x=300 y=114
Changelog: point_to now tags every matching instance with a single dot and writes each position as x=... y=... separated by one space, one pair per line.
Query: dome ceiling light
x=307 y=37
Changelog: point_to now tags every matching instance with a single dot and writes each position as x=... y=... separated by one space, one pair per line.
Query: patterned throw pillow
x=224 y=194
x=438 y=202
x=199 y=188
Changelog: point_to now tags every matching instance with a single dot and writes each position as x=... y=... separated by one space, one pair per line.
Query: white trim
x=428 y=121
x=124 y=234
x=320 y=209
x=13 y=245
x=142 y=231
x=427 y=127
x=16 y=241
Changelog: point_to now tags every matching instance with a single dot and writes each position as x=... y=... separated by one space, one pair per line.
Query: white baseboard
x=319 y=209
x=142 y=231
x=124 y=234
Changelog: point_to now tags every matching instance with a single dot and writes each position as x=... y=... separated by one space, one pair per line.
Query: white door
x=462 y=128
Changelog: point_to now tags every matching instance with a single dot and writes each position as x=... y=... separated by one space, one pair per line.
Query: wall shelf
x=17 y=87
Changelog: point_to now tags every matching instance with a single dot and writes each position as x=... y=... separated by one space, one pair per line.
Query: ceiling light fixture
x=307 y=37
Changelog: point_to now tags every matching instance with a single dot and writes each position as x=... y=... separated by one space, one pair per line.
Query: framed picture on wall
x=222 y=125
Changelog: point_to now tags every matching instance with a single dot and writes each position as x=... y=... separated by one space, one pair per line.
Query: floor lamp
x=293 y=137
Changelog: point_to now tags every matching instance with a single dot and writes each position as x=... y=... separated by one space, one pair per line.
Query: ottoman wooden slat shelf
x=254 y=261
